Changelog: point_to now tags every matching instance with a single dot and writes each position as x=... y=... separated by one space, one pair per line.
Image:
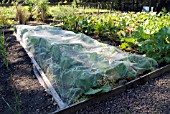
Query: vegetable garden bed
x=74 y=68
x=117 y=90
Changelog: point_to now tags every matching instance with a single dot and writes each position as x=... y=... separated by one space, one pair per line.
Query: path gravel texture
x=151 y=98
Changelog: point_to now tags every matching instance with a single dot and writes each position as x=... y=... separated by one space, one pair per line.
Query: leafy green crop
x=158 y=46
x=137 y=32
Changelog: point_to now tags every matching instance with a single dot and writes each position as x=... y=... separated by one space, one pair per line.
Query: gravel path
x=151 y=98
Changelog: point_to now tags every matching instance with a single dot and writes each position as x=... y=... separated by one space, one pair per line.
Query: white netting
x=76 y=64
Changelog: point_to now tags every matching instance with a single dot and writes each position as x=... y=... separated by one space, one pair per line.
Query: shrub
x=38 y=9
x=22 y=15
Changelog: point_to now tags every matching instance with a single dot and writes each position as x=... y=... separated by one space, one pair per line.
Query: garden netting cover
x=77 y=65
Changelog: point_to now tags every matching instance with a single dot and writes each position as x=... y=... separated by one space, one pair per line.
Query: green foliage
x=158 y=46
x=142 y=32
x=8 y=12
x=38 y=9
x=62 y=11
x=3 y=52
x=85 y=24
x=5 y=1
x=150 y=36
x=95 y=91
x=5 y=17
x=3 y=20
x=69 y=23
x=91 y=24
x=41 y=7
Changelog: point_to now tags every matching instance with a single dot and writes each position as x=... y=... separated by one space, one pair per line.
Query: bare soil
x=19 y=81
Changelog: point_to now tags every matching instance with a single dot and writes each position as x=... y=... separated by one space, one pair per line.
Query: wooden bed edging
x=118 y=90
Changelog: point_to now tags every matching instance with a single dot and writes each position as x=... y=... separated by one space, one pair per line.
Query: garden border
x=77 y=106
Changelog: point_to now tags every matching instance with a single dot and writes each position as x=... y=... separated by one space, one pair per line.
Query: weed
x=22 y=15
x=16 y=109
x=3 y=51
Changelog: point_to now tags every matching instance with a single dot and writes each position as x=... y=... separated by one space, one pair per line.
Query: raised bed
x=118 y=90
x=72 y=108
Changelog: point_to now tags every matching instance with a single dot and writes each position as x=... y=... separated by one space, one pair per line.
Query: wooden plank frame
x=65 y=109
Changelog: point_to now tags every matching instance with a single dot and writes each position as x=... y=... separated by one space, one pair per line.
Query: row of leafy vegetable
x=147 y=33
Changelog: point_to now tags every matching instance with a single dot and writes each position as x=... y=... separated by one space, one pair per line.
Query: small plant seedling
x=3 y=51
x=16 y=109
